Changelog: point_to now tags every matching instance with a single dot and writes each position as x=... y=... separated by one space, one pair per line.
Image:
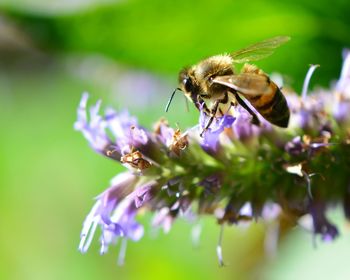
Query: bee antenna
x=171 y=99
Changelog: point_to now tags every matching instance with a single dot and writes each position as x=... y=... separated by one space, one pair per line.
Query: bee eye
x=188 y=84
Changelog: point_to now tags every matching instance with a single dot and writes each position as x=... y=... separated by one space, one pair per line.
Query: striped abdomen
x=263 y=94
x=271 y=104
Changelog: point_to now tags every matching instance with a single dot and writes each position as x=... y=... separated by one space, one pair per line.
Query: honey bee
x=214 y=87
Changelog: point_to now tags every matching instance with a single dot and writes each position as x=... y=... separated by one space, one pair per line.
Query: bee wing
x=259 y=50
x=247 y=83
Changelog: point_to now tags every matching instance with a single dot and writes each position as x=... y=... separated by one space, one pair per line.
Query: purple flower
x=144 y=194
x=271 y=211
x=92 y=127
x=343 y=84
x=211 y=184
x=164 y=133
x=100 y=214
x=237 y=172
x=295 y=146
x=126 y=131
x=341 y=107
x=307 y=81
x=299 y=145
x=321 y=225
x=174 y=140
x=115 y=212
x=308 y=112
x=164 y=219
x=211 y=135
x=243 y=128
x=121 y=126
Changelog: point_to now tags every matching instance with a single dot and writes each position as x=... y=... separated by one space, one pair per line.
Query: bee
x=214 y=86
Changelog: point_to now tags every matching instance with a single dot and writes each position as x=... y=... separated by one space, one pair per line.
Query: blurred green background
x=128 y=54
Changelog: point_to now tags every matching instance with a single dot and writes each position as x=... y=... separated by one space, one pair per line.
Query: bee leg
x=240 y=101
x=212 y=116
x=197 y=101
x=200 y=104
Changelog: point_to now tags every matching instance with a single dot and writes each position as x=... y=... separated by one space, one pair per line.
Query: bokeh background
x=128 y=54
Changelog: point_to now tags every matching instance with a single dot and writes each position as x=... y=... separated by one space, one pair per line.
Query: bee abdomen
x=272 y=106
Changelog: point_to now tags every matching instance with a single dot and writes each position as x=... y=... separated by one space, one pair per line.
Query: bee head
x=186 y=83
x=189 y=84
